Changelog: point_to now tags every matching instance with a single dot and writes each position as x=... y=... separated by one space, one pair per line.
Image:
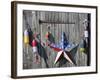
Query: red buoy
x=34 y=43
x=34 y=46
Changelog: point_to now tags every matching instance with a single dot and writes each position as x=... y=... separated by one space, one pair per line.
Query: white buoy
x=86 y=34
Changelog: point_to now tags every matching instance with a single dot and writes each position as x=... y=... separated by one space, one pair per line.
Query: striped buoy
x=26 y=37
x=34 y=46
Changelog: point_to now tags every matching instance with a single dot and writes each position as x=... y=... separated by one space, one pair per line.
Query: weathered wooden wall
x=73 y=32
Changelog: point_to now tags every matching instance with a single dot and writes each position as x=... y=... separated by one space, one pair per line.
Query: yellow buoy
x=82 y=50
x=83 y=46
x=26 y=37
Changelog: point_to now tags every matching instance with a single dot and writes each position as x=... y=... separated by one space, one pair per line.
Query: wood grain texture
x=47 y=55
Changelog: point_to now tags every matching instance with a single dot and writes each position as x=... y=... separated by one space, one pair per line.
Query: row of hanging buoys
x=33 y=44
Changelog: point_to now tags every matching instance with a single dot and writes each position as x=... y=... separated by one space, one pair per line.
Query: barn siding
x=47 y=55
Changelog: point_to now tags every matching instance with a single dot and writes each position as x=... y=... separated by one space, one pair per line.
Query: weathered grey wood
x=83 y=57
x=48 y=55
x=27 y=52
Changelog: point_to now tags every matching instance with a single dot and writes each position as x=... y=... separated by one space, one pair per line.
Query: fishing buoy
x=26 y=41
x=34 y=46
x=82 y=46
x=47 y=35
x=26 y=37
x=35 y=50
x=86 y=34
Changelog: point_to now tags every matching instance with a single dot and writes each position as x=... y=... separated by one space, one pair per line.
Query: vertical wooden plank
x=64 y=18
x=83 y=56
x=67 y=32
x=73 y=32
x=53 y=34
x=26 y=57
x=57 y=34
x=43 y=31
x=36 y=29
x=24 y=53
x=34 y=65
x=48 y=50
x=39 y=36
x=60 y=32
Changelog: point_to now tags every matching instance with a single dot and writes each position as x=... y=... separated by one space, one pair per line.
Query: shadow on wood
x=30 y=36
x=42 y=53
x=73 y=53
x=51 y=38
